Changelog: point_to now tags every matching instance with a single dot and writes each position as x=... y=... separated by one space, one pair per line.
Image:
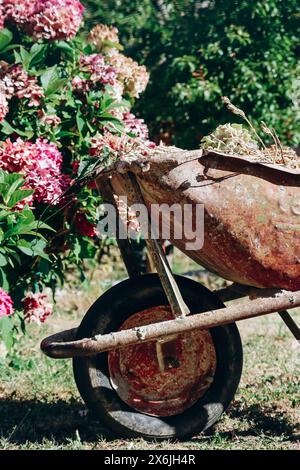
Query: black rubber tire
x=92 y=377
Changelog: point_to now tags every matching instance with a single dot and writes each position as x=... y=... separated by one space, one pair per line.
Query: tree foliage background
x=198 y=51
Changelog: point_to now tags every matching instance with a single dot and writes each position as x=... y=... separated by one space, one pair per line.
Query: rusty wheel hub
x=162 y=379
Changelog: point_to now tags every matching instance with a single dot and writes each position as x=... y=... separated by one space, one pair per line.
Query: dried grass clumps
x=231 y=139
x=235 y=139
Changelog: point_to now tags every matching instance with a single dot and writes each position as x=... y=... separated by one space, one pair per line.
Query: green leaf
x=9 y=184
x=8 y=130
x=112 y=119
x=6 y=328
x=39 y=225
x=3 y=280
x=66 y=134
x=34 y=234
x=38 y=53
x=25 y=57
x=32 y=228
x=113 y=45
x=113 y=125
x=44 y=267
x=10 y=262
x=11 y=178
x=56 y=85
x=38 y=249
x=80 y=122
x=4 y=188
x=3 y=260
x=51 y=81
x=16 y=257
x=14 y=180
x=5 y=38
x=3 y=214
x=66 y=48
x=27 y=215
x=88 y=249
x=34 y=248
x=25 y=247
x=18 y=58
x=18 y=196
x=49 y=76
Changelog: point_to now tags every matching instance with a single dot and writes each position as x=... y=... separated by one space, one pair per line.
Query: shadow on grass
x=261 y=420
x=33 y=421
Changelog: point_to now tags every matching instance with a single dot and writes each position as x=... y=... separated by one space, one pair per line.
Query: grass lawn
x=40 y=407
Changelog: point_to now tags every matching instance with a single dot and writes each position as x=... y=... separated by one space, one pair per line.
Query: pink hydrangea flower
x=18 y=12
x=133 y=76
x=56 y=19
x=116 y=144
x=119 y=146
x=127 y=215
x=14 y=81
x=37 y=308
x=3 y=105
x=41 y=164
x=98 y=71
x=117 y=91
x=77 y=82
x=140 y=130
x=2 y=17
x=6 y=304
x=81 y=84
x=104 y=37
x=6 y=84
x=25 y=86
x=135 y=126
x=48 y=19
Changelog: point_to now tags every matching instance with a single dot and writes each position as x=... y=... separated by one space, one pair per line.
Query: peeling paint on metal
x=139 y=380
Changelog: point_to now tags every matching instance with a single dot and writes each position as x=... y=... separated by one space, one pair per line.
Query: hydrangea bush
x=65 y=100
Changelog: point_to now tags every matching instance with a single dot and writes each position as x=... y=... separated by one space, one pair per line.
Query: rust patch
x=139 y=381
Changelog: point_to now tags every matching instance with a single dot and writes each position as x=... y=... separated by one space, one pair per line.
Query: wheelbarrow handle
x=56 y=346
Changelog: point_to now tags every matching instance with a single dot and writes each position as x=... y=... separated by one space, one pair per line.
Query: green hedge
x=198 y=51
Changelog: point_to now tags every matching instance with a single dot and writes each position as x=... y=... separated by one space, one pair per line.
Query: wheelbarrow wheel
x=158 y=390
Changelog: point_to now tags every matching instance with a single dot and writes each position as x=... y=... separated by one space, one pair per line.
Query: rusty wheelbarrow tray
x=251 y=213
x=251 y=236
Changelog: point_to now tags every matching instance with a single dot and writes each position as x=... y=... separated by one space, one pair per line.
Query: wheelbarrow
x=159 y=355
